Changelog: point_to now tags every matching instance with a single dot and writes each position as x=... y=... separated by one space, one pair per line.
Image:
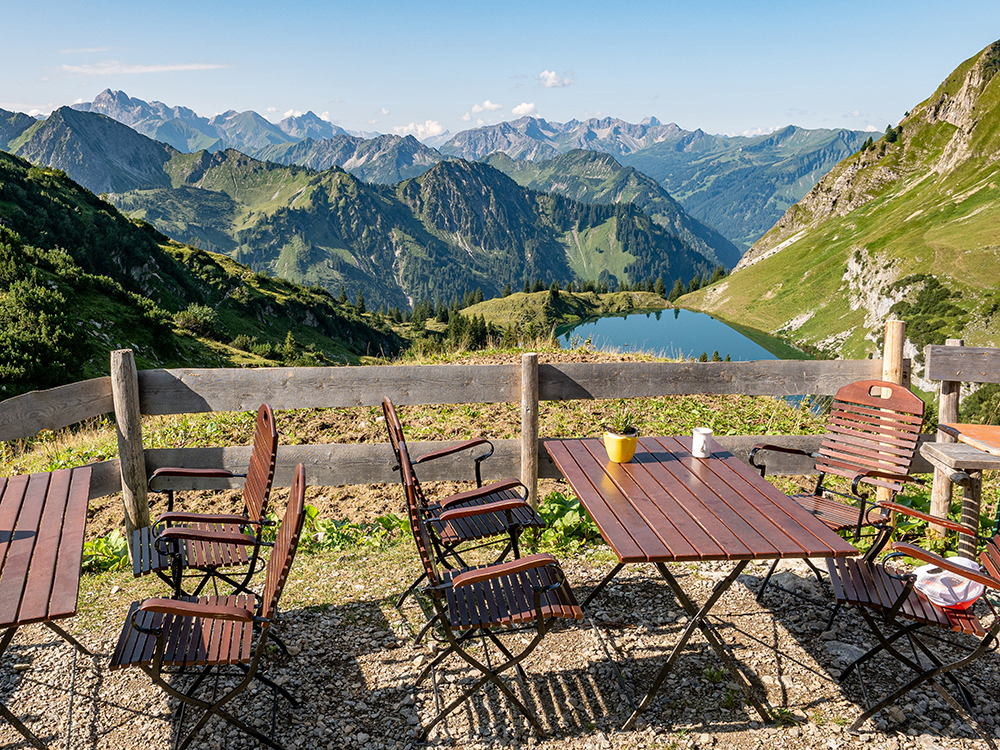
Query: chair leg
x=413 y=587
x=493 y=676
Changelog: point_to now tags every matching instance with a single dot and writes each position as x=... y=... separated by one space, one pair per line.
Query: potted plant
x=622 y=434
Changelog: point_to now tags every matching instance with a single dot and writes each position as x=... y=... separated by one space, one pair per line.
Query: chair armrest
x=480 y=492
x=946 y=523
x=457 y=448
x=510 y=567
x=176 y=471
x=180 y=516
x=911 y=550
x=770 y=447
x=869 y=476
x=196 y=609
x=187 y=533
x=500 y=506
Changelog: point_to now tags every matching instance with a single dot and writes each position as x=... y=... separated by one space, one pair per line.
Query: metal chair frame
x=893 y=609
x=209 y=543
x=485 y=602
x=871 y=439
x=156 y=626
x=505 y=509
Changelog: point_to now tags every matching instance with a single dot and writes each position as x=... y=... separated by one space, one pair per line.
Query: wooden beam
x=30 y=413
x=968 y=364
x=947 y=412
x=529 y=425
x=128 y=425
x=186 y=391
x=606 y=380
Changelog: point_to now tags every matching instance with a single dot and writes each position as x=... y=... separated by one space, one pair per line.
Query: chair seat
x=867 y=584
x=507 y=600
x=836 y=514
x=194 y=554
x=486 y=525
x=189 y=640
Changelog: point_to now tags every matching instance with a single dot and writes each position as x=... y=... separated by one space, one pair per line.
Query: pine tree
x=342 y=297
x=360 y=303
x=677 y=291
x=659 y=289
x=506 y=291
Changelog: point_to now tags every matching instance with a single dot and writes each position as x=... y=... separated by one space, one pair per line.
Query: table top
x=985 y=437
x=42 y=522
x=668 y=506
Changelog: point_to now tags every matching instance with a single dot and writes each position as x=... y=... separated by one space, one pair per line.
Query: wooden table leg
x=698 y=619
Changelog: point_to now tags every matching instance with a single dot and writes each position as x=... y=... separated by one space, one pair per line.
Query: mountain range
x=79 y=279
x=905 y=228
x=708 y=175
x=455 y=228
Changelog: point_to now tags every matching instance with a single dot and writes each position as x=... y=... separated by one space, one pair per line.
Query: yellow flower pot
x=620 y=448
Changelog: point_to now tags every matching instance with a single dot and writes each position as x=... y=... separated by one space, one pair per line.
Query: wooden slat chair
x=211 y=544
x=165 y=637
x=894 y=609
x=870 y=440
x=509 y=512
x=524 y=594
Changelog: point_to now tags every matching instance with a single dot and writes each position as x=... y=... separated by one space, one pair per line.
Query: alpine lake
x=677 y=333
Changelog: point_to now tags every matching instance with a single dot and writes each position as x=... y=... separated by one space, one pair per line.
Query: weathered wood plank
x=184 y=391
x=968 y=364
x=30 y=413
x=643 y=379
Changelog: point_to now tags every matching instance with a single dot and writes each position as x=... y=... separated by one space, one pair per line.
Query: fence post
x=529 y=425
x=892 y=371
x=128 y=426
x=947 y=412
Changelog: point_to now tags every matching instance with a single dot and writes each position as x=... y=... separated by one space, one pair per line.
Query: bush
x=199 y=319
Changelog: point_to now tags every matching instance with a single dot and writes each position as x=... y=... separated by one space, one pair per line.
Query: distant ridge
x=905 y=228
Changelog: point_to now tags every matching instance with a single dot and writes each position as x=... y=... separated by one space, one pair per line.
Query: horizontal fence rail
x=30 y=413
x=965 y=364
x=182 y=391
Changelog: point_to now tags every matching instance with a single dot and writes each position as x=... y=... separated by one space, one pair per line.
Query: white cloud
x=486 y=106
x=426 y=130
x=114 y=67
x=383 y=111
x=83 y=50
x=292 y=113
x=871 y=129
x=372 y=122
x=325 y=117
x=466 y=117
x=524 y=109
x=272 y=109
x=551 y=80
x=480 y=122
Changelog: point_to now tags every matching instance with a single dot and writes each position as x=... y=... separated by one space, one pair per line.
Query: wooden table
x=668 y=506
x=977 y=450
x=42 y=522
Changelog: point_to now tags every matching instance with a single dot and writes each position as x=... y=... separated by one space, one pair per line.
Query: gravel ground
x=353 y=667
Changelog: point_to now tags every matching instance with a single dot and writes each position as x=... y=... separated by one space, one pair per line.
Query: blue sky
x=426 y=68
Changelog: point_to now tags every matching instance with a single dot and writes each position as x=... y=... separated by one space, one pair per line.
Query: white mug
x=701 y=442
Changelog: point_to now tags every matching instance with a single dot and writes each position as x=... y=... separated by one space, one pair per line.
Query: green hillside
x=544 y=310
x=741 y=186
x=457 y=227
x=907 y=227
x=595 y=177
x=79 y=279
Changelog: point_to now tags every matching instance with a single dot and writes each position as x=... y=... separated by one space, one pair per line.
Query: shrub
x=199 y=319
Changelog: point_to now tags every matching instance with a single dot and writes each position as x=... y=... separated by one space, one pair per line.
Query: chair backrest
x=417 y=517
x=873 y=424
x=283 y=551
x=395 y=429
x=392 y=425
x=260 y=474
